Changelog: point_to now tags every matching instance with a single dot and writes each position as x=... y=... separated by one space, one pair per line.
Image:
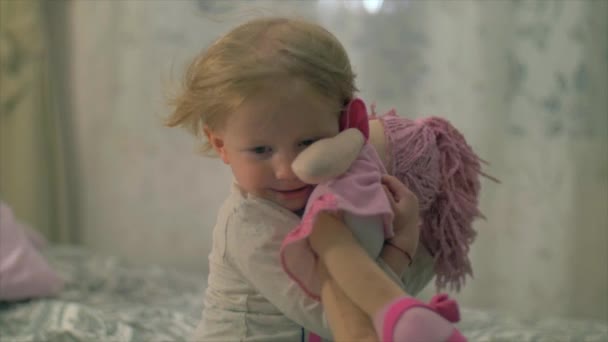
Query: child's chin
x=295 y=207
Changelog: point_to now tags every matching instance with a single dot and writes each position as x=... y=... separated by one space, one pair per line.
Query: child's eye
x=307 y=142
x=260 y=150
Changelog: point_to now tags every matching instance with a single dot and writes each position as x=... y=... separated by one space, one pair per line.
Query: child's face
x=263 y=136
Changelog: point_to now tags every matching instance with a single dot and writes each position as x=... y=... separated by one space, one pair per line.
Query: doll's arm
x=350 y=266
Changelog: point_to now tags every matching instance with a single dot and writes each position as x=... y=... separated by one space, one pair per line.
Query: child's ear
x=217 y=142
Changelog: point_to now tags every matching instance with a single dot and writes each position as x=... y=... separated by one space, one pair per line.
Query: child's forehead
x=271 y=99
x=270 y=111
x=279 y=111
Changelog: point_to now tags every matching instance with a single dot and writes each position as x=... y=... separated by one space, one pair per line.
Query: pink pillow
x=24 y=273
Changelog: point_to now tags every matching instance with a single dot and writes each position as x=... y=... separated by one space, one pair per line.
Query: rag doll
x=428 y=155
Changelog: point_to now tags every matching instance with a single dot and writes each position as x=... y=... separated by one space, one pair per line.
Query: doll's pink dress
x=358 y=192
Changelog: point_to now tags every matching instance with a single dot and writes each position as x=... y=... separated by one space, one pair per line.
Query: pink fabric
x=359 y=191
x=429 y=323
x=355 y=116
x=35 y=238
x=24 y=273
x=314 y=338
x=433 y=159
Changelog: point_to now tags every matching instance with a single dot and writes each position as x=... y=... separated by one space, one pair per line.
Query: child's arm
x=407 y=231
x=253 y=247
x=405 y=225
x=253 y=240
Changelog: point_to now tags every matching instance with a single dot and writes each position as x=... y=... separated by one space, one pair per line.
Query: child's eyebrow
x=255 y=143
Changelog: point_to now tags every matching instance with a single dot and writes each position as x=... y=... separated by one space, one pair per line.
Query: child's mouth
x=295 y=193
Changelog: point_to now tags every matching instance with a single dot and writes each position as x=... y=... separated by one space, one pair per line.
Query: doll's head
x=254 y=58
x=434 y=161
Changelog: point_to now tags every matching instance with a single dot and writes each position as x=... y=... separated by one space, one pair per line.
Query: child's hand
x=406 y=210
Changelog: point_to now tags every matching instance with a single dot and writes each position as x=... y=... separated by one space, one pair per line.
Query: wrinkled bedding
x=107 y=299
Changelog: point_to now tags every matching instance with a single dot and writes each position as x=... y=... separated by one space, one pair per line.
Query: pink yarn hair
x=443 y=171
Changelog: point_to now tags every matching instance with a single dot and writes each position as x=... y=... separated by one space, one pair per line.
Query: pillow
x=24 y=273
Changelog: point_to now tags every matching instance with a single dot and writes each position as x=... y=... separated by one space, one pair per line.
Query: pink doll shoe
x=408 y=319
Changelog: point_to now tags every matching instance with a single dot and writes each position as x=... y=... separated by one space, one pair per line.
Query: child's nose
x=283 y=170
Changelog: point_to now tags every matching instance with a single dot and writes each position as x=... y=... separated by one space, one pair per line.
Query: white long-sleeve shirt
x=249 y=297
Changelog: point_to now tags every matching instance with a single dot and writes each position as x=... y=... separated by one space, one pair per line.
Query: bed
x=108 y=299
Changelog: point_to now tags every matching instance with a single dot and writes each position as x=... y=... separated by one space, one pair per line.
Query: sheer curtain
x=526 y=81
x=36 y=164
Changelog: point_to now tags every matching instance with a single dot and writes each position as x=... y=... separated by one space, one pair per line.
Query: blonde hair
x=235 y=65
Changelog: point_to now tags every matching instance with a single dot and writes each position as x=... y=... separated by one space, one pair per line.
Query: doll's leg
x=396 y=316
x=348 y=264
x=346 y=320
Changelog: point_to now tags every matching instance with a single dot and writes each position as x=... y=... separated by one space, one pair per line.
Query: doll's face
x=263 y=136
